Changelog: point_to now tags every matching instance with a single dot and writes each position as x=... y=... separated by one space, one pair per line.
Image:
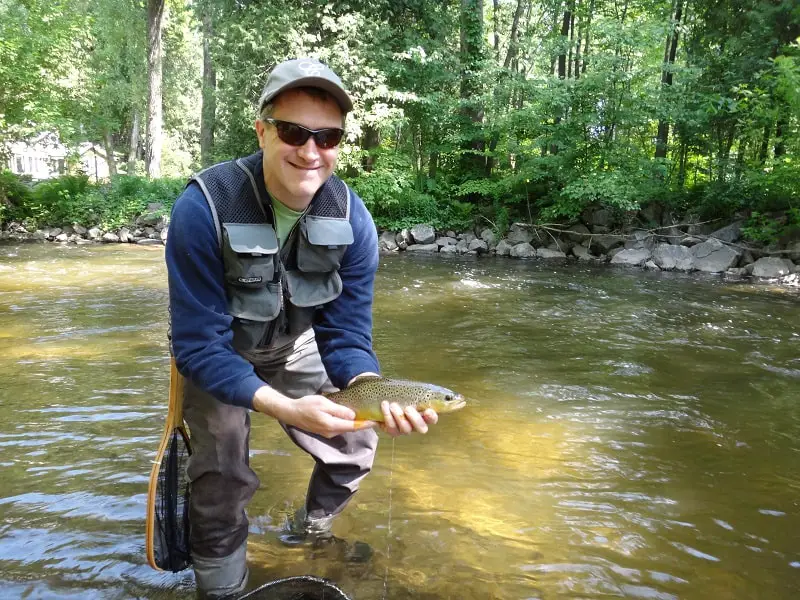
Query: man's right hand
x=314 y=413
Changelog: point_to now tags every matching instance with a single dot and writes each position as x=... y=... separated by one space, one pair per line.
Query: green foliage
x=768 y=229
x=75 y=200
x=454 y=128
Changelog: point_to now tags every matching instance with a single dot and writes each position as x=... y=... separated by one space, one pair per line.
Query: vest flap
x=245 y=238
x=322 y=231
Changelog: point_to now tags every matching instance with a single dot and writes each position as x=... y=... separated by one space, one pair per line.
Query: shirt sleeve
x=343 y=327
x=201 y=326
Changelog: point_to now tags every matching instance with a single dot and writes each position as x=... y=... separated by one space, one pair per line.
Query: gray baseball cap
x=304 y=72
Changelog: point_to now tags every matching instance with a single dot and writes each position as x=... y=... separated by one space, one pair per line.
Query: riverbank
x=692 y=247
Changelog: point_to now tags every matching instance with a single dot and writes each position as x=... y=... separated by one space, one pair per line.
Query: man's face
x=293 y=174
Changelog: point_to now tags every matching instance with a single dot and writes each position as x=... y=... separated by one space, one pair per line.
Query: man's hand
x=397 y=421
x=313 y=413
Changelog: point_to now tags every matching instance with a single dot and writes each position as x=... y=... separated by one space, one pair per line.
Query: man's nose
x=309 y=150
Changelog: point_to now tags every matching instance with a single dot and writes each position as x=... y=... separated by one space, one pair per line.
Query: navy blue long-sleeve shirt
x=201 y=326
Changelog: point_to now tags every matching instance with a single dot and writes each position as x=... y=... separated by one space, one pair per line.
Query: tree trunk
x=208 y=114
x=562 y=58
x=586 y=43
x=780 y=146
x=495 y=20
x=155 y=25
x=670 y=50
x=108 y=145
x=472 y=160
x=134 y=148
x=763 y=151
x=370 y=141
x=513 y=38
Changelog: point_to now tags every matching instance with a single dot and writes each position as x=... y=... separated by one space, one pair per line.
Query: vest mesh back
x=233 y=194
x=235 y=201
x=331 y=199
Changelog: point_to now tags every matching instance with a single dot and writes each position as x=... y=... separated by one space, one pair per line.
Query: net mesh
x=171 y=533
x=303 y=587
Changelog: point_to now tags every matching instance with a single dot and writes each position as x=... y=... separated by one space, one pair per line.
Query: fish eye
x=448 y=397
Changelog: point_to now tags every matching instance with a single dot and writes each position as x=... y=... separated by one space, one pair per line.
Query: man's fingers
x=416 y=419
x=400 y=418
x=340 y=412
x=431 y=416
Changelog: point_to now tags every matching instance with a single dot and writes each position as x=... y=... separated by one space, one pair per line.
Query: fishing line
x=389 y=527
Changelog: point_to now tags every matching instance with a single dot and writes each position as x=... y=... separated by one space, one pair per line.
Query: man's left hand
x=397 y=421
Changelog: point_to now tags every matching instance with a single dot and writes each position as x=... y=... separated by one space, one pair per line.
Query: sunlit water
x=629 y=435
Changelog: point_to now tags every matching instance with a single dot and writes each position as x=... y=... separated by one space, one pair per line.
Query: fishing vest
x=272 y=291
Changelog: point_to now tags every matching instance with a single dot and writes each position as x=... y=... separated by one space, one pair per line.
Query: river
x=628 y=435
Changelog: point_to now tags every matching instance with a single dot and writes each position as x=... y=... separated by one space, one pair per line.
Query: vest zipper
x=266 y=340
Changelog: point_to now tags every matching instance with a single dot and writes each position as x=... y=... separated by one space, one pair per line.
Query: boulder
x=794 y=251
x=652 y=213
x=550 y=254
x=94 y=233
x=581 y=252
x=519 y=233
x=651 y=266
x=730 y=233
x=633 y=257
x=62 y=237
x=149 y=219
x=712 y=256
x=403 y=239
x=606 y=243
x=578 y=233
x=503 y=248
x=110 y=238
x=451 y=249
x=673 y=258
x=446 y=241
x=387 y=241
x=523 y=250
x=489 y=236
x=424 y=234
x=772 y=267
x=423 y=248
x=478 y=246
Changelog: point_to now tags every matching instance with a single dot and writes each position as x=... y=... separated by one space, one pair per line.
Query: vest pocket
x=313 y=289
x=248 y=253
x=322 y=243
x=252 y=310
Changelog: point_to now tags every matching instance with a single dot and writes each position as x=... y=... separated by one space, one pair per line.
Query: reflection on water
x=628 y=435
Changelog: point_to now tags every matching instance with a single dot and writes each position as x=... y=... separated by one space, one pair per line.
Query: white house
x=45 y=156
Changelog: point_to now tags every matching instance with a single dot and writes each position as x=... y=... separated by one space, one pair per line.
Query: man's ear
x=261 y=130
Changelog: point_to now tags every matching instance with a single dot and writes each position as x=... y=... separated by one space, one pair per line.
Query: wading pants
x=222 y=482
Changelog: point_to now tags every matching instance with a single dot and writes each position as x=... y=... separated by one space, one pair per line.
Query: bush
x=73 y=199
x=14 y=194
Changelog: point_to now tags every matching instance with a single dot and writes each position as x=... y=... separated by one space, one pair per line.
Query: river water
x=628 y=435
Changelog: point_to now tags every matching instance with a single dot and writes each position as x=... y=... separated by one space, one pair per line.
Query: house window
x=60 y=166
x=20 y=167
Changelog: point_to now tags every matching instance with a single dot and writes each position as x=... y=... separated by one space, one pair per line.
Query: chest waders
x=272 y=294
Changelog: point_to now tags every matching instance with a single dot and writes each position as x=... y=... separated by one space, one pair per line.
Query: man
x=271 y=262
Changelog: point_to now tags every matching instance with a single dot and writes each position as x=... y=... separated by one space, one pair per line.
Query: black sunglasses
x=297 y=135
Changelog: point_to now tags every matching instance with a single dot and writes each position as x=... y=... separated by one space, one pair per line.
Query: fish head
x=444 y=400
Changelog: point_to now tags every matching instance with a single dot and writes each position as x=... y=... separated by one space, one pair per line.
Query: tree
x=155 y=23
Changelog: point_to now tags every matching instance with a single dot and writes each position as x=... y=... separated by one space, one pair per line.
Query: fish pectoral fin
x=358 y=425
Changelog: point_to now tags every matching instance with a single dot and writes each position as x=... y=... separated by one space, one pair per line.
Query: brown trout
x=365 y=395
